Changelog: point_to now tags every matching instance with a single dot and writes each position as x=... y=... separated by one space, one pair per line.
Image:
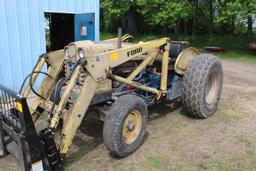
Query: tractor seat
x=177 y=47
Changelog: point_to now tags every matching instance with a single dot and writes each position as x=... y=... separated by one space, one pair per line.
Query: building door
x=84 y=26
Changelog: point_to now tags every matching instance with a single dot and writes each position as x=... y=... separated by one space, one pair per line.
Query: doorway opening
x=59 y=30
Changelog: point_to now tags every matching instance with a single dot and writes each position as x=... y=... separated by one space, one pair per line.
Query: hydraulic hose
x=56 y=91
x=31 y=85
x=59 y=84
x=30 y=76
x=33 y=71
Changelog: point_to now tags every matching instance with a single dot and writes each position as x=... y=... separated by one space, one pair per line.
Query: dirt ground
x=225 y=141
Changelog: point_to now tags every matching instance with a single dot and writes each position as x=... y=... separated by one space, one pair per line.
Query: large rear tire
x=202 y=86
x=124 y=129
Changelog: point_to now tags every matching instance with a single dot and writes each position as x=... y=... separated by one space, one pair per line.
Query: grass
x=238 y=56
x=246 y=144
x=220 y=165
x=230 y=116
x=243 y=141
x=157 y=162
x=236 y=48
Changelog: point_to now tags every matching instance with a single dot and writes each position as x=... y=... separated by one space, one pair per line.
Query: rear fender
x=184 y=60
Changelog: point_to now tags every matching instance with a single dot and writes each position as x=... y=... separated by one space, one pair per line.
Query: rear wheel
x=124 y=129
x=202 y=86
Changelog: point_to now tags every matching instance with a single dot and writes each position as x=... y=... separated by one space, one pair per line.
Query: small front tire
x=124 y=129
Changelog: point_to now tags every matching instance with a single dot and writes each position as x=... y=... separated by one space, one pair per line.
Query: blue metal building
x=23 y=36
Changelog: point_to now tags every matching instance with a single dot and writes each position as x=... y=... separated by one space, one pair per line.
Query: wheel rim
x=132 y=127
x=212 y=87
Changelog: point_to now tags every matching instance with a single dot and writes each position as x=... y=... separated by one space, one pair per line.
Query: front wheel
x=124 y=129
x=202 y=86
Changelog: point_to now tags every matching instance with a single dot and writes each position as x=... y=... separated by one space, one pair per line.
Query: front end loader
x=114 y=81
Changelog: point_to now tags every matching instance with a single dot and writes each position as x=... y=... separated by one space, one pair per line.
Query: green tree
x=195 y=12
x=165 y=13
x=158 y=16
x=113 y=13
x=228 y=13
x=248 y=8
x=231 y=12
x=210 y=7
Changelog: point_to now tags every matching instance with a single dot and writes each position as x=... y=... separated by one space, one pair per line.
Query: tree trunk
x=195 y=17
x=233 y=25
x=249 y=30
x=132 y=28
x=210 y=28
x=185 y=27
x=123 y=24
x=177 y=28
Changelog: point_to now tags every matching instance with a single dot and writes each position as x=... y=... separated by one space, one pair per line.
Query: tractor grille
x=8 y=108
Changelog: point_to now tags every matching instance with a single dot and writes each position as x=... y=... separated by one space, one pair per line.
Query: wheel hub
x=132 y=127
x=212 y=87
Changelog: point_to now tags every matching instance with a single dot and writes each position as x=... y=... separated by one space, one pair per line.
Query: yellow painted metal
x=146 y=61
x=76 y=115
x=123 y=52
x=114 y=57
x=63 y=101
x=39 y=67
x=99 y=67
x=19 y=107
x=126 y=36
x=56 y=61
x=165 y=63
x=184 y=60
x=100 y=59
x=132 y=127
x=135 y=84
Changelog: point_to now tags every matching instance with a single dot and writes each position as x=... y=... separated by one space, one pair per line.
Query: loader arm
x=100 y=66
x=55 y=61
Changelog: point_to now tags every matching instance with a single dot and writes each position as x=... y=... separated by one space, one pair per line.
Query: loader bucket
x=19 y=137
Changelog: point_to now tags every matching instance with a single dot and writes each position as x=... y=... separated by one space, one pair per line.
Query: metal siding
x=15 y=50
x=24 y=32
x=6 y=70
x=22 y=37
x=70 y=6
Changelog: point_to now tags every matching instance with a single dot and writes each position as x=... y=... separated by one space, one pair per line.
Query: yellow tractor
x=112 y=80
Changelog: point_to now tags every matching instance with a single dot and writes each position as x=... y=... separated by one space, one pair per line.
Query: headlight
x=81 y=53
x=72 y=50
x=66 y=52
